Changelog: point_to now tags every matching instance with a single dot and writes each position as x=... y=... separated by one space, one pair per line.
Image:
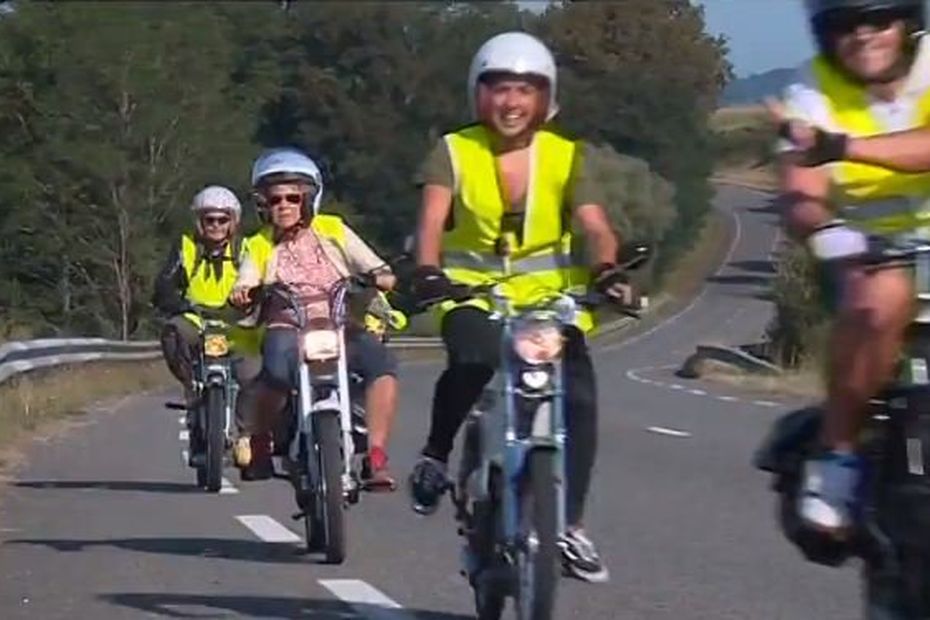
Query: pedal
x=176 y=406
x=297 y=516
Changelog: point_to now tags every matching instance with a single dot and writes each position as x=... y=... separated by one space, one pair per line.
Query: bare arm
x=603 y=243
x=805 y=191
x=903 y=151
x=434 y=209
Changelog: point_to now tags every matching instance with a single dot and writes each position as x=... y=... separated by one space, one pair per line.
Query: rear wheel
x=329 y=438
x=538 y=553
x=215 y=438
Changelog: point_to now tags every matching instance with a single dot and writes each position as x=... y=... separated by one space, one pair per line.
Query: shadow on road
x=111 y=485
x=741 y=279
x=222 y=548
x=755 y=266
x=205 y=606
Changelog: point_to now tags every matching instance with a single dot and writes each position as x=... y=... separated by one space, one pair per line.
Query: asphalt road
x=103 y=522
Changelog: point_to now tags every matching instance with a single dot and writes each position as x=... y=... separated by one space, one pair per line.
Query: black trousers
x=472 y=344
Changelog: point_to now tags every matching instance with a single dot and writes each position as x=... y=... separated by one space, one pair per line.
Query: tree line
x=113 y=114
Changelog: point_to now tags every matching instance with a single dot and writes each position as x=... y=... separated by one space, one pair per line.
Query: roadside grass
x=31 y=402
x=806 y=381
x=745 y=136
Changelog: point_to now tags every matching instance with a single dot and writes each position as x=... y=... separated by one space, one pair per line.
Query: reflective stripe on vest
x=206 y=285
x=542 y=257
x=878 y=199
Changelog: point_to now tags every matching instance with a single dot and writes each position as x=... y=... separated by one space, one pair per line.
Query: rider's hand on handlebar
x=242 y=297
x=430 y=284
x=612 y=282
x=813 y=146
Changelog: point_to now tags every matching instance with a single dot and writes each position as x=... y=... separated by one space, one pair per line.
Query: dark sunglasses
x=219 y=220
x=846 y=22
x=291 y=199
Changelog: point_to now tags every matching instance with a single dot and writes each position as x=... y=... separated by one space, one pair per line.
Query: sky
x=762 y=34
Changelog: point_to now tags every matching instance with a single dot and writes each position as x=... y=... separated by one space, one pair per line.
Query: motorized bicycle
x=892 y=534
x=509 y=490
x=215 y=390
x=325 y=432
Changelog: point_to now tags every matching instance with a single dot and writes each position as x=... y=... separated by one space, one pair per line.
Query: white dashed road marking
x=634 y=375
x=184 y=435
x=697 y=392
x=367 y=600
x=228 y=488
x=661 y=430
x=728 y=399
x=268 y=529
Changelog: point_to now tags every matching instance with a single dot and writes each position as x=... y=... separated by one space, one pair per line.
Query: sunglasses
x=214 y=220
x=847 y=22
x=291 y=199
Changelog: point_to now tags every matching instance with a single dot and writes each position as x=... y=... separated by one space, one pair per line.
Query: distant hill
x=756 y=87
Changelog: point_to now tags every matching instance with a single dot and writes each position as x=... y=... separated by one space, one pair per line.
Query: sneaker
x=580 y=558
x=830 y=491
x=242 y=452
x=428 y=483
x=379 y=477
x=260 y=466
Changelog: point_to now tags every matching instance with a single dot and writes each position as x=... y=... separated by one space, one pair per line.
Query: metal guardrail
x=22 y=356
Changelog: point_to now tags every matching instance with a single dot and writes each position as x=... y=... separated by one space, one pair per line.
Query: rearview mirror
x=633 y=255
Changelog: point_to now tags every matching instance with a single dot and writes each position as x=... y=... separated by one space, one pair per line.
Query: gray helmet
x=818 y=12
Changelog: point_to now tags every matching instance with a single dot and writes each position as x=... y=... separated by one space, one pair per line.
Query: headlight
x=215 y=345
x=321 y=344
x=538 y=343
x=535 y=379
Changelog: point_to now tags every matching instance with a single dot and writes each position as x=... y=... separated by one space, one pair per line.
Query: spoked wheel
x=215 y=443
x=538 y=553
x=332 y=522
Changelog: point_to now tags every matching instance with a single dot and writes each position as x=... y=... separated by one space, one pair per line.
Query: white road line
x=728 y=399
x=182 y=421
x=268 y=529
x=661 y=430
x=367 y=600
x=697 y=392
x=185 y=457
x=184 y=435
x=675 y=386
x=227 y=488
x=737 y=234
x=765 y=403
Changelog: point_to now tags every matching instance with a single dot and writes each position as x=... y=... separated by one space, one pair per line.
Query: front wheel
x=216 y=438
x=329 y=448
x=538 y=552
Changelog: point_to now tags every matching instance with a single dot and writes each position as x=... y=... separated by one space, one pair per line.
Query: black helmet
x=818 y=12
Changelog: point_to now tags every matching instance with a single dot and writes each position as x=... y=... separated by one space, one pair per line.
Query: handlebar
x=883 y=252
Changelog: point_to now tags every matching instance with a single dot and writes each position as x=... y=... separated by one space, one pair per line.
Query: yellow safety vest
x=877 y=199
x=543 y=256
x=210 y=287
x=261 y=244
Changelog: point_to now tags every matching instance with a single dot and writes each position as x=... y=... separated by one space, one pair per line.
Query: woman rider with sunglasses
x=310 y=252
x=201 y=270
x=856 y=146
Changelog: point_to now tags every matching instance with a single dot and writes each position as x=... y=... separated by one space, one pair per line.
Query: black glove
x=828 y=146
x=612 y=282
x=430 y=285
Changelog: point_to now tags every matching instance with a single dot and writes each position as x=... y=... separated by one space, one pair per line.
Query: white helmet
x=217 y=198
x=288 y=165
x=518 y=53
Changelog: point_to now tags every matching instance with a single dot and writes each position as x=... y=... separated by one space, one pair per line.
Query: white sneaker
x=830 y=491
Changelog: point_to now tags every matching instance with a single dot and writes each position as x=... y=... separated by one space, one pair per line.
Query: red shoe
x=380 y=479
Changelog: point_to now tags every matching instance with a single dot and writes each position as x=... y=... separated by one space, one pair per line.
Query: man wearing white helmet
x=512 y=173
x=310 y=252
x=856 y=129
x=200 y=270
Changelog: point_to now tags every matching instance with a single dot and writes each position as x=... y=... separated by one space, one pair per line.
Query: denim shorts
x=367 y=356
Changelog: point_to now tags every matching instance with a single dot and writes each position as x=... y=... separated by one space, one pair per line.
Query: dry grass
x=745 y=134
x=806 y=382
x=738 y=117
x=31 y=402
x=687 y=278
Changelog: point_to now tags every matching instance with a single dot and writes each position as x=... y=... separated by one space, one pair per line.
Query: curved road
x=103 y=522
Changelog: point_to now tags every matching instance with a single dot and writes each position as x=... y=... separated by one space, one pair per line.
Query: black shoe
x=427 y=484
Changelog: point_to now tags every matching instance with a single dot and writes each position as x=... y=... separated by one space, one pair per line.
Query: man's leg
x=875 y=311
x=579 y=555
x=374 y=362
x=472 y=343
x=179 y=339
